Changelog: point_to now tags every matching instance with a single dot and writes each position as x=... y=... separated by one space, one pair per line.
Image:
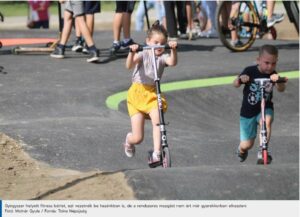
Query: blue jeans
x=140 y=13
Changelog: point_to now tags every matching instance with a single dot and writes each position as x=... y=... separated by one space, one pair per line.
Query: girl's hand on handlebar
x=172 y=44
x=134 y=47
x=244 y=79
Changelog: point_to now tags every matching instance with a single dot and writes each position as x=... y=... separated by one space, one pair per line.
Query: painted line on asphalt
x=114 y=100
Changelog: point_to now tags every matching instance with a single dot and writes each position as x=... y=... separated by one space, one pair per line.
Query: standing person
x=250 y=111
x=140 y=13
x=90 y=8
x=75 y=9
x=171 y=18
x=122 y=20
x=39 y=11
x=141 y=98
x=210 y=28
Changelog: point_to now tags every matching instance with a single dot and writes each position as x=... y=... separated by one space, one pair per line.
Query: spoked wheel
x=166 y=157
x=265 y=157
x=243 y=26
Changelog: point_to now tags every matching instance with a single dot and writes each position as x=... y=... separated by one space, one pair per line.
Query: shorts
x=248 y=126
x=92 y=7
x=125 y=6
x=142 y=98
x=75 y=8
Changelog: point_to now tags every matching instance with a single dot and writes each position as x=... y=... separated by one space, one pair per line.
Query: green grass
x=20 y=8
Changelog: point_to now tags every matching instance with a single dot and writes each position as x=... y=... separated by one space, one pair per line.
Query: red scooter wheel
x=265 y=157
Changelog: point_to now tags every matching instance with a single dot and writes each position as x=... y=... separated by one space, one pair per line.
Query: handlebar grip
x=142 y=47
x=282 y=80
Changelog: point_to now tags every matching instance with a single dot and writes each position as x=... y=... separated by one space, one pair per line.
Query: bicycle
x=248 y=23
x=165 y=151
x=263 y=146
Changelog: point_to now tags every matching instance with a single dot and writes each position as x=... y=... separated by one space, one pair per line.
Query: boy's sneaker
x=242 y=156
x=94 y=56
x=85 y=49
x=260 y=159
x=77 y=47
x=127 y=43
x=115 y=47
x=276 y=18
x=128 y=148
x=58 y=53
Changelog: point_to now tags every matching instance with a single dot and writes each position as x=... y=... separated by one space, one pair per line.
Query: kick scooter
x=165 y=158
x=263 y=146
x=263 y=131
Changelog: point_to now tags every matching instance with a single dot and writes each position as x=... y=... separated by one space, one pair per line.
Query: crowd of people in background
x=182 y=19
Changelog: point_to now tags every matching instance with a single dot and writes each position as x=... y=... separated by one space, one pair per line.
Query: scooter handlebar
x=259 y=80
x=147 y=47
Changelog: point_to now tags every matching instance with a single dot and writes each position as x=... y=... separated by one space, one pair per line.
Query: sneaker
x=153 y=158
x=85 y=49
x=260 y=159
x=129 y=149
x=127 y=43
x=94 y=56
x=58 y=53
x=242 y=156
x=115 y=47
x=77 y=47
x=236 y=43
x=276 y=18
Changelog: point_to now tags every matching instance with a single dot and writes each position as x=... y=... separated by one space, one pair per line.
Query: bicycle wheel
x=292 y=11
x=166 y=157
x=265 y=157
x=295 y=14
x=244 y=25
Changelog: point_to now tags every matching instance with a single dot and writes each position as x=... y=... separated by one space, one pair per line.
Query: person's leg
x=126 y=23
x=269 y=120
x=171 y=19
x=181 y=16
x=160 y=12
x=84 y=30
x=154 y=115
x=272 y=17
x=233 y=15
x=67 y=27
x=248 y=131
x=270 y=8
x=137 y=129
x=139 y=17
x=189 y=19
x=90 y=22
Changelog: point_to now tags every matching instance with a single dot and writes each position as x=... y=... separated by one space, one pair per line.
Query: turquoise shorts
x=248 y=126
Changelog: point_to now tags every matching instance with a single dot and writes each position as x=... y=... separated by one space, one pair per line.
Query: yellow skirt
x=142 y=98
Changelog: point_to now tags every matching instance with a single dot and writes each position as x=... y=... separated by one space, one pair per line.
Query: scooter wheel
x=166 y=158
x=265 y=157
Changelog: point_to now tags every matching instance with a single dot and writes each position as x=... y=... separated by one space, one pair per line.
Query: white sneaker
x=128 y=148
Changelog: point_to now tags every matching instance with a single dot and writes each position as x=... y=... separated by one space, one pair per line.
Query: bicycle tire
x=166 y=157
x=250 y=27
x=265 y=157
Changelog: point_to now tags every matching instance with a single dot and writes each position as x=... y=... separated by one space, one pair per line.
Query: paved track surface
x=57 y=108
